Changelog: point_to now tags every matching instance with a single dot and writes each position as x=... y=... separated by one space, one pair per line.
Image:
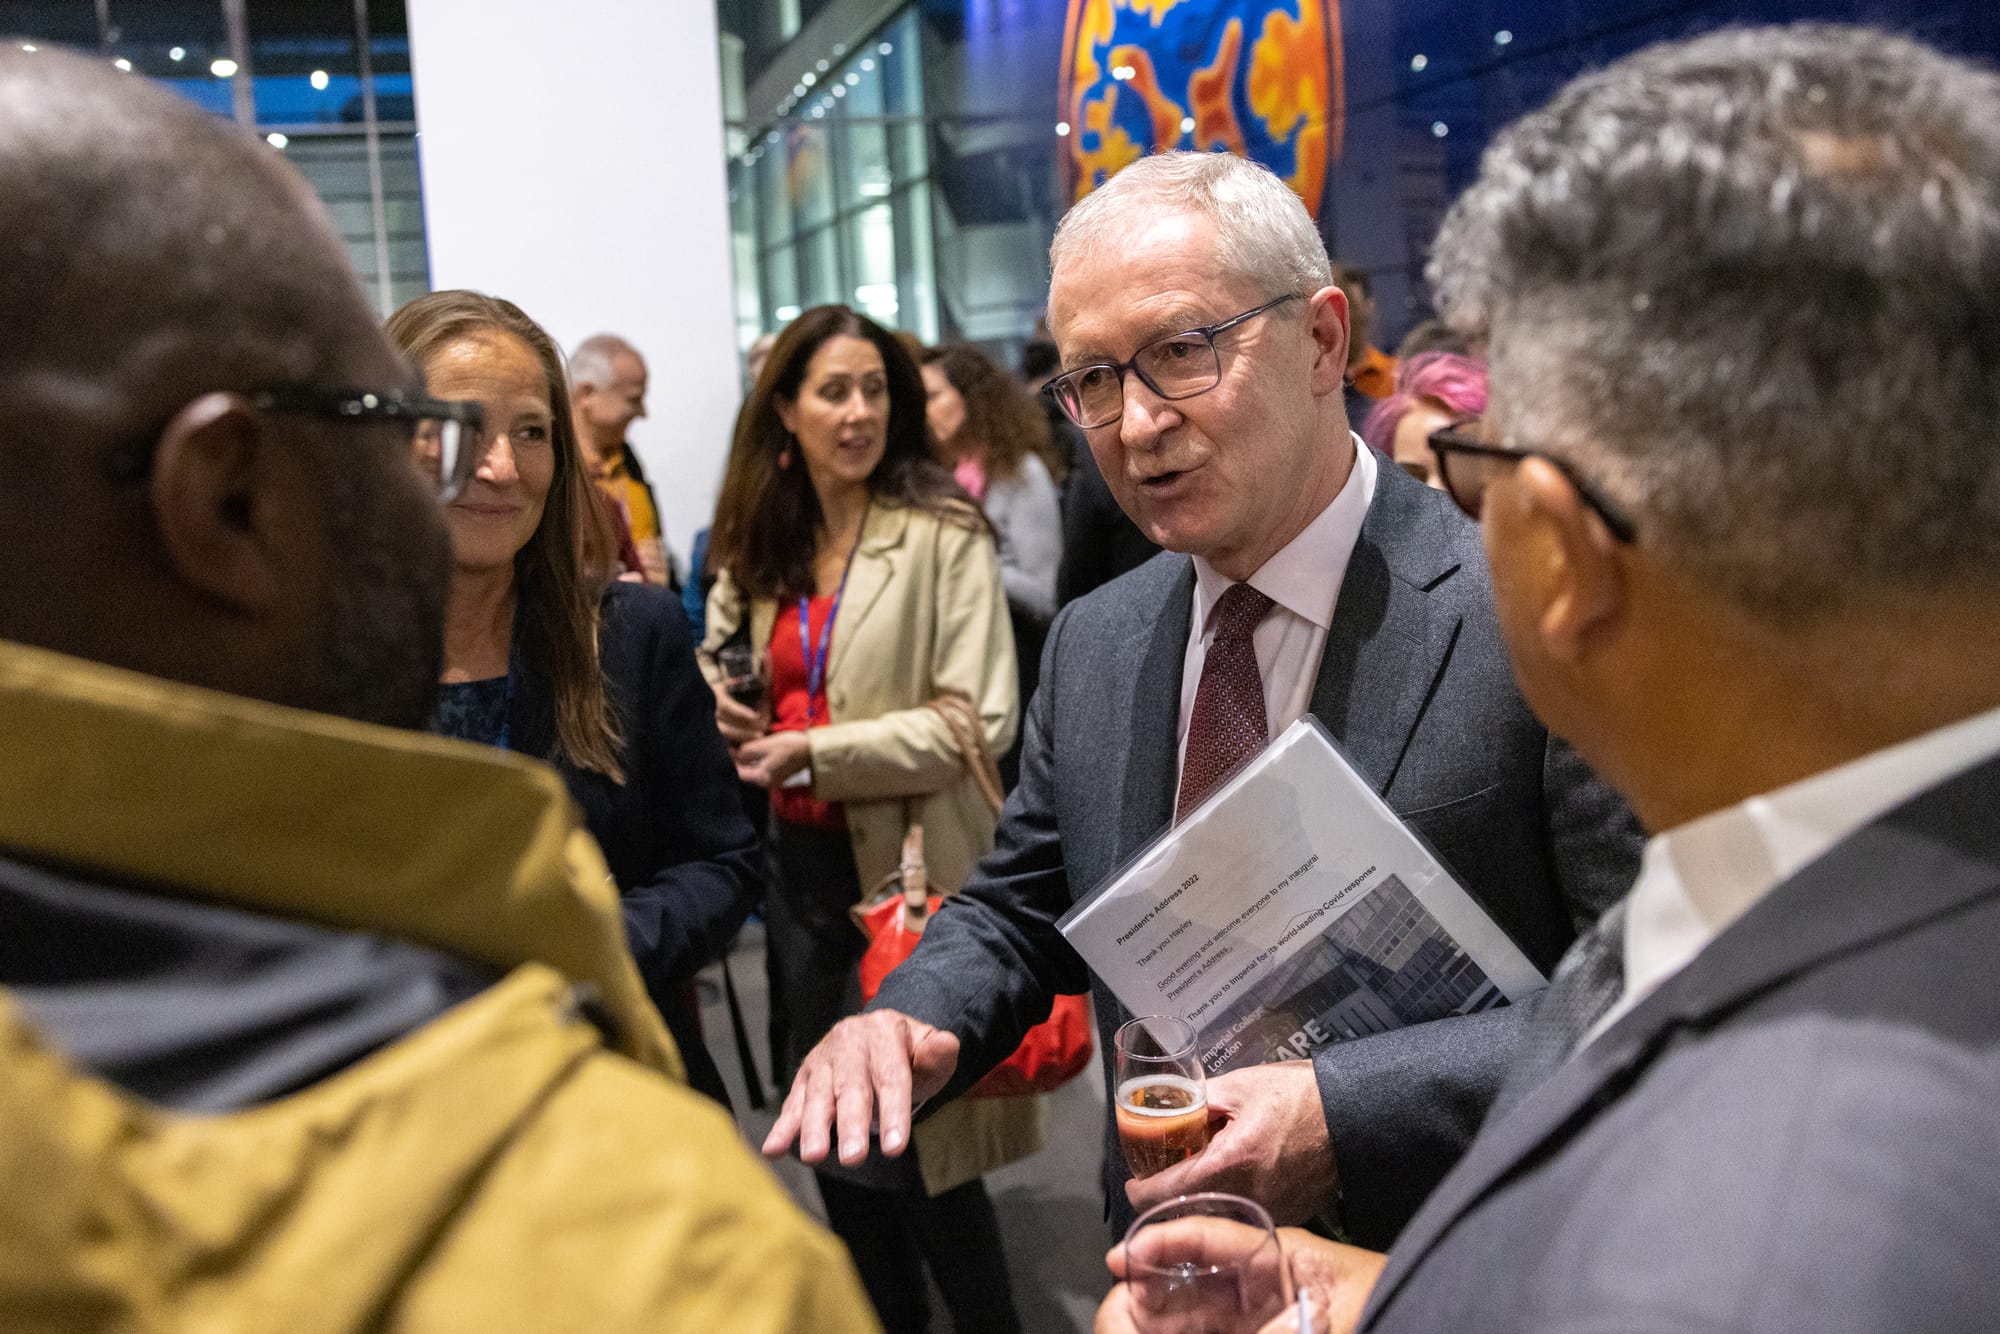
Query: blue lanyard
x=816 y=660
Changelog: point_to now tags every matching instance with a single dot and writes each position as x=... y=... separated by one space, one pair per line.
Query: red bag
x=893 y=918
x=1055 y=1051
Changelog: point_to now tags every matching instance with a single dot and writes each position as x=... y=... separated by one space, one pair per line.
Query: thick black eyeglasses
x=1468 y=466
x=445 y=435
x=1177 y=366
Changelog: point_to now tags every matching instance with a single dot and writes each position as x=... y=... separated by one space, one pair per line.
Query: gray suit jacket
x=1415 y=684
x=1797 y=1132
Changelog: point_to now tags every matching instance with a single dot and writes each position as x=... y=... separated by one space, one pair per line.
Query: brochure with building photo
x=1291 y=909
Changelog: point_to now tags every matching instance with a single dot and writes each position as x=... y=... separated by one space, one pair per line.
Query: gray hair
x=1265 y=234
x=1751 y=284
x=591 y=362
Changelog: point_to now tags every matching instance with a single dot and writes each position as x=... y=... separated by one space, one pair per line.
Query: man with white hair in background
x=1204 y=345
x=608 y=393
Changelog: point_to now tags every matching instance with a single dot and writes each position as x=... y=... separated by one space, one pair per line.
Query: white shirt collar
x=1698 y=878
x=1305 y=574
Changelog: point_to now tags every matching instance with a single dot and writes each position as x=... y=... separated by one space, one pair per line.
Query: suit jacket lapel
x=1389 y=638
x=874 y=566
x=1159 y=657
x=1929 y=857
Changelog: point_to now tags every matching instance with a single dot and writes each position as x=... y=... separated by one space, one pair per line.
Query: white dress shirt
x=1698 y=878
x=1303 y=579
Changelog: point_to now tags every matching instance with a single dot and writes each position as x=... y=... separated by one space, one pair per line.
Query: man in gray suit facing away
x=1204 y=345
x=1743 y=296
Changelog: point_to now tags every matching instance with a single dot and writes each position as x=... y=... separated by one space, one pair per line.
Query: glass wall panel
x=303 y=57
x=840 y=209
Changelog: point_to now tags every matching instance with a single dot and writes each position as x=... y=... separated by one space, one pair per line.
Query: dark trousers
x=891 y=1226
x=894 y=1235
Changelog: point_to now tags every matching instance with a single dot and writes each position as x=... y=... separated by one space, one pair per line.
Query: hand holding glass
x=742 y=674
x=1205 y=1264
x=1162 y=1105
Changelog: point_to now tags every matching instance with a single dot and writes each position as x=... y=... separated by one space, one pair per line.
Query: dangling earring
x=785 y=458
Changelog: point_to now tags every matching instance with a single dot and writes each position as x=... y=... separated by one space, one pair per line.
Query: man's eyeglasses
x=445 y=435
x=1468 y=465
x=1177 y=366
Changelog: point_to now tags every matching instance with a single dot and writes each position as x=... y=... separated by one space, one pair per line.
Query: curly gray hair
x=1751 y=282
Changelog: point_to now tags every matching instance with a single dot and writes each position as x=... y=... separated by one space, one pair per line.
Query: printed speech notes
x=1291 y=909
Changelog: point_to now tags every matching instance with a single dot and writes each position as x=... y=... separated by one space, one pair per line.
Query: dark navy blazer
x=1415 y=685
x=674 y=833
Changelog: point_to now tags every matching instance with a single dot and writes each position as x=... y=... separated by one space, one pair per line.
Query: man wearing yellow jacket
x=306 y=1023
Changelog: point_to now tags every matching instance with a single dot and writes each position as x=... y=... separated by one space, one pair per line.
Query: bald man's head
x=157 y=266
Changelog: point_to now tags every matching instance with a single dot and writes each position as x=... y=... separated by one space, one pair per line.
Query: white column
x=572 y=162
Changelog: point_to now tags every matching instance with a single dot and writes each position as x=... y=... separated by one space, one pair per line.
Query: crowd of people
x=377 y=785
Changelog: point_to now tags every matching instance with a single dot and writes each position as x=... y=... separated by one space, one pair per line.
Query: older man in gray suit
x=1743 y=502
x=1204 y=346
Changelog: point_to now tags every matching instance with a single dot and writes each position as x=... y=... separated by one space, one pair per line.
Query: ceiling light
x=886 y=49
x=809 y=80
x=1440 y=129
x=821 y=67
x=223 y=69
x=29 y=47
x=786 y=312
x=868 y=62
x=839 y=90
x=1062 y=129
x=1187 y=124
x=1502 y=37
x=276 y=140
x=1419 y=62
x=320 y=79
x=178 y=54
x=124 y=64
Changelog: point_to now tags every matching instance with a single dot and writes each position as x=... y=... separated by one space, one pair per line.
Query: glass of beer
x=1205 y=1264
x=1162 y=1107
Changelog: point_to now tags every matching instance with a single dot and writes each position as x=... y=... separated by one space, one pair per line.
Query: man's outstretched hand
x=882 y=1064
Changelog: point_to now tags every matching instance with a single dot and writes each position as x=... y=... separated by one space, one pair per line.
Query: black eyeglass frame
x=1207 y=332
x=1449 y=440
x=133 y=460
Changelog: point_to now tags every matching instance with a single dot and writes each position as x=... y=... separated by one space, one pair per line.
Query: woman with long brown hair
x=848 y=557
x=546 y=656
x=997 y=441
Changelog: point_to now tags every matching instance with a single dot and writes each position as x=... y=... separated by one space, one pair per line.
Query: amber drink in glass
x=1162 y=1106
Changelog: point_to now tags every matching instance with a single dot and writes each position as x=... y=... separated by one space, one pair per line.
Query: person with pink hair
x=1432 y=391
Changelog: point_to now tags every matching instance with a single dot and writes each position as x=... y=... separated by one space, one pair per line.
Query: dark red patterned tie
x=1228 y=724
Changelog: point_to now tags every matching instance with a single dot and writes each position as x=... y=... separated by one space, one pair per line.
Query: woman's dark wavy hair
x=556 y=594
x=767 y=516
x=998 y=412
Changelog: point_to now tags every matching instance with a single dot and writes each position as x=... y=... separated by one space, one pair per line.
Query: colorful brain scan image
x=1259 y=78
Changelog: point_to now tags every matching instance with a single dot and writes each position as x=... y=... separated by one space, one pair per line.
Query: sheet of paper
x=1291 y=909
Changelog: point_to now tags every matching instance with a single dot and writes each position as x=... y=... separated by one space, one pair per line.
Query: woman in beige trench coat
x=868 y=582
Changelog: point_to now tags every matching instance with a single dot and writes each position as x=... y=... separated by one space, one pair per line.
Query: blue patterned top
x=472 y=711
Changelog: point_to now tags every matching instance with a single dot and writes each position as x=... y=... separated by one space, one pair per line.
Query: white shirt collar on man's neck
x=1305 y=575
x=1698 y=878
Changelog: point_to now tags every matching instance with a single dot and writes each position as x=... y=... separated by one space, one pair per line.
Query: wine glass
x=742 y=674
x=1162 y=1101
x=1206 y=1264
